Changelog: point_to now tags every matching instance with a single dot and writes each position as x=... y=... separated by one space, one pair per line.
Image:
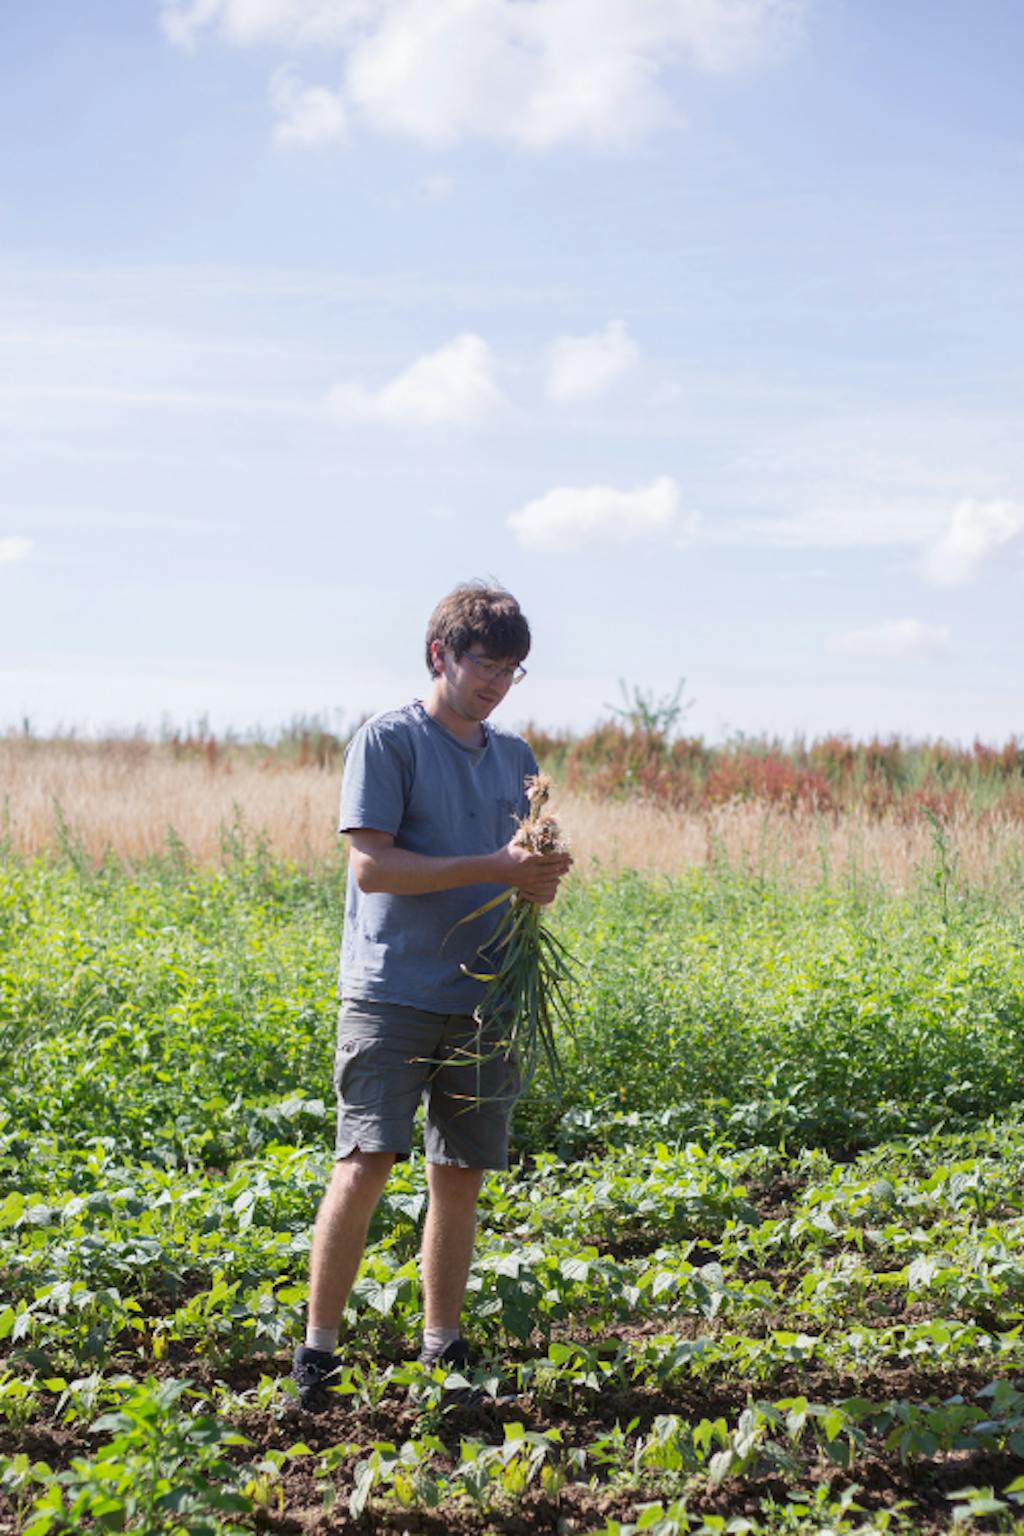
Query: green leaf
x=12 y=1209
x=833 y=1423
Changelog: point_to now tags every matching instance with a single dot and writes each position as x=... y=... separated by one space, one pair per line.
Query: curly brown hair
x=477 y=614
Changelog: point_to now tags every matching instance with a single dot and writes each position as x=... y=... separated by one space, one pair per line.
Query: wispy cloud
x=157 y=399
x=305 y=114
x=538 y=75
x=581 y=366
x=259 y=23
x=152 y=285
x=897 y=637
x=436 y=188
x=453 y=385
x=14 y=548
x=840 y=522
x=975 y=530
x=573 y=517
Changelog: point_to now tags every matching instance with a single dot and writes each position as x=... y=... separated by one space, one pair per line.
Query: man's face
x=475 y=683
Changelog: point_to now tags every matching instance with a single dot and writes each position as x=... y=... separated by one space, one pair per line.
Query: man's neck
x=470 y=732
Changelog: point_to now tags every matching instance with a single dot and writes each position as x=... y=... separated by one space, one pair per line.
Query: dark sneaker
x=455 y=1354
x=455 y=1359
x=313 y=1371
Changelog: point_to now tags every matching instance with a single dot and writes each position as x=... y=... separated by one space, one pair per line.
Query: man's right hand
x=535 y=876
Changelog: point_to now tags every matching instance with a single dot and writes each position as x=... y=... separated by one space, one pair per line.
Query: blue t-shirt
x=408 y=775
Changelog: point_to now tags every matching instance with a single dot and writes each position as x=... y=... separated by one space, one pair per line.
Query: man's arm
x=379 y=866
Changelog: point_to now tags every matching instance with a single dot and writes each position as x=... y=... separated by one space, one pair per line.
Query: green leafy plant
x=158 y=1470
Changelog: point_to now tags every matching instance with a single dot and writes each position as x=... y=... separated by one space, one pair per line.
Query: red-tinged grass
x=883 y=779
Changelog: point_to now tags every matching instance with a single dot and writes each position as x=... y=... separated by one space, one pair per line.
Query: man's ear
x=437 y=657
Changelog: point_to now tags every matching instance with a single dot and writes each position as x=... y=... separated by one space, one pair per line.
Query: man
x=429 y=801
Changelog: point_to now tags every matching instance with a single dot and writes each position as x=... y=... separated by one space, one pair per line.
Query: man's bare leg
x=339 y=1235
x=448 y=1237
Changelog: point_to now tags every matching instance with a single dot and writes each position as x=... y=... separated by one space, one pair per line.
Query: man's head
x=479 y=619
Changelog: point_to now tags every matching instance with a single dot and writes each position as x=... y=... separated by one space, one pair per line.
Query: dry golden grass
x=124 y=796
x=760 y=839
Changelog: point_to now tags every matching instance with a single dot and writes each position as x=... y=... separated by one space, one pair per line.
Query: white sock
x=322 y=1338
x=437 y=1339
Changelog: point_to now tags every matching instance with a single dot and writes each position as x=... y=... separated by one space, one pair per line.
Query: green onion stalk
x=526 y=996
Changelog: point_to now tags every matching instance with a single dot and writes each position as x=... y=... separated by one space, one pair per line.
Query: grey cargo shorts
x=389 y=1057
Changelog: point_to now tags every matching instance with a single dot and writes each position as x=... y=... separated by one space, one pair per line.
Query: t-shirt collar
x=450 y=735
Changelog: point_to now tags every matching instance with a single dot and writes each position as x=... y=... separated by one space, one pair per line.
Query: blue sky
x=697 y=323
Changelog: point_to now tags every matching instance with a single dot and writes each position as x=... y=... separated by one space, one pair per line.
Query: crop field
x=760 y=1268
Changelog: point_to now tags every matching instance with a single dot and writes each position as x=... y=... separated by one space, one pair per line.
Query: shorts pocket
x=357 y=1078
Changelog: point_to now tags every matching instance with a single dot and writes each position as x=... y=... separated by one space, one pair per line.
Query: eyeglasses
x=493 y=671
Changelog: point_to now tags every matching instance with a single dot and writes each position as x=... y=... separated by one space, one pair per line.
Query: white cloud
x=305 y=114
x=571 y=517
x=535 y=74
x=580 y=366
x=14 y=548
x=976 y=529
x=453 y=384
x=897 y=637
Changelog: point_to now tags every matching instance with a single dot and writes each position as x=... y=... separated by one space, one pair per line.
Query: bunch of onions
x=526 y=994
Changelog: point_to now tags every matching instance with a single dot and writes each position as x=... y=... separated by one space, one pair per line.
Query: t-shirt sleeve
x=375 y=784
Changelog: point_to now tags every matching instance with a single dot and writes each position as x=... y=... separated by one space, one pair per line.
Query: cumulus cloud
x=455 y=384
x=976 y=529
x=580 y=366
x=897 y=637
x=14 y=548
x=571 y=517
x=538 y=74
x=305 y=114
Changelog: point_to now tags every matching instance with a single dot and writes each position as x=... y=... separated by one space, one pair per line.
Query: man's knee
x=361 y=1176
x=457 y=1185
